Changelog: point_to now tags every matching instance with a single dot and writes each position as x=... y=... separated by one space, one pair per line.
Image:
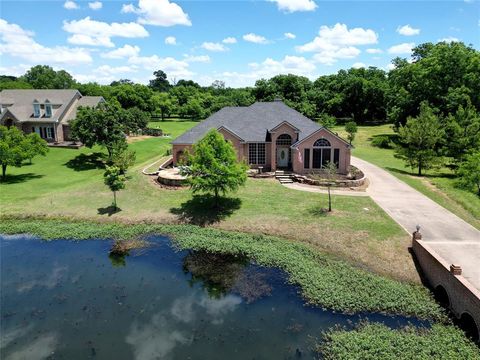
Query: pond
x=69 y=300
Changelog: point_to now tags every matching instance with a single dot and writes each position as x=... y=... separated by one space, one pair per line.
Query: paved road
x=451 y=237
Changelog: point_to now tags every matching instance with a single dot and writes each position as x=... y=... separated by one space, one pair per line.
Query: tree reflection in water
x=221 y=274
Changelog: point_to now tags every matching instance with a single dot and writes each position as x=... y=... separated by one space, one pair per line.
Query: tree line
x=432 y=99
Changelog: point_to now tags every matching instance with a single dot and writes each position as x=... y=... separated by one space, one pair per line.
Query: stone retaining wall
x=337 y=183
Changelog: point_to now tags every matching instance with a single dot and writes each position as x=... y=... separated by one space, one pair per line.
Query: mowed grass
x=174 y=128
x=437 y=184
x=69 y=183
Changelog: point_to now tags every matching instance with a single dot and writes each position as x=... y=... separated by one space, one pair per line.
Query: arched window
x=322 y=143
x=284 y=139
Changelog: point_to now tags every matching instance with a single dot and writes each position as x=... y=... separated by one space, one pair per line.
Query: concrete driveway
x=451 y=237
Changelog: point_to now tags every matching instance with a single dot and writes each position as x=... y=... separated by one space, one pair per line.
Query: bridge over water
x=446 y=240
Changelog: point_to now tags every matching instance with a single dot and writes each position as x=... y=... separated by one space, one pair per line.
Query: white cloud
x=98 y=33
x=18 y=42
x=337 y=36
x=124 y=52
x=171 y=66
x=290 y=6
x=337 y=42
x=216 y=47
x=289 y=35
x=199 y=58
x=329 y=57
x=359 y=65
x=268 y=68
x=71 y=5
x=449 y=39
x=254 y=38
x=407 y=30
x=390 y=66
x=115 y=70
x=374 y=51
x=404 y=48
x=170 y=40
x=15 y=70
x=158 y=12
x=96 y=5
x=229 y=40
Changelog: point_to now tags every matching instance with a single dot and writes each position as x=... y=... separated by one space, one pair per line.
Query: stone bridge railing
x=449 y=286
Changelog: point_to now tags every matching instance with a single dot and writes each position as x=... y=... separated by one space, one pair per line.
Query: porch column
x=273 y=155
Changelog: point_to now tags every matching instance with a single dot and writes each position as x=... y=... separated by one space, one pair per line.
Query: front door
x=282 y=157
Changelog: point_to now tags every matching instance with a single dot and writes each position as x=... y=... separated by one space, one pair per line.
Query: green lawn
x=69 y=183
x=173 y=127
x=439 y=185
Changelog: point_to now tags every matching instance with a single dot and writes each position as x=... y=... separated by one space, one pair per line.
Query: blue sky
x=234 y=41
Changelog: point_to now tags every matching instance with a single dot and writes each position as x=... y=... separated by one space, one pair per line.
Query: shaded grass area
x=439 y=184
x=324 y=281
x=377 y=341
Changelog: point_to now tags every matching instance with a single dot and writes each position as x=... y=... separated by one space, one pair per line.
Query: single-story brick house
x=273 y=136
x=46 y=112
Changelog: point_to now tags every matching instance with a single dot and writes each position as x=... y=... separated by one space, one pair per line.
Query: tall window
x=336 y=157
x=322 y=153
x=36 y=110
x=256 y=153
x=48 y=109
x=49 y=133
x=306 y=159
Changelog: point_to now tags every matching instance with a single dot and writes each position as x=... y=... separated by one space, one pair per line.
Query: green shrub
x=382 y=141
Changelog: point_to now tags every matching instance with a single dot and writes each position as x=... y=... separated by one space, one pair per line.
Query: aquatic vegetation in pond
x=324 y=281
x=65 y=299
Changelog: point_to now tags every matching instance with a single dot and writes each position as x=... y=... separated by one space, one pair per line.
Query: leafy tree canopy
x=214 y=167
x=419 y=139
x=15 y=147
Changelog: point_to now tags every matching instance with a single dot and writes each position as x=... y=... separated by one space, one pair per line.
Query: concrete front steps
x=283 y=176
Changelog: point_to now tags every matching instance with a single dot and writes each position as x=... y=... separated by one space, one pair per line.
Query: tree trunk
x=4 y=171
x=115 y=200
x=420 y=168
x=329 y=200
x=216 y=203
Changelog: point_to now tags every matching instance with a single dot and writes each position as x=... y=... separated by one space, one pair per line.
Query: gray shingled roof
x=90 y=101
x=251 y=123
x=22 y=101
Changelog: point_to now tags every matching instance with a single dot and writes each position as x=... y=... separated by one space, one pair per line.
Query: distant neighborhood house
x=45 y=112
x=273 y=136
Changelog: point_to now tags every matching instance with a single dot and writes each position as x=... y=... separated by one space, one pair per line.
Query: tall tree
x=44 y=77
x=15 y=147
x=102 y=126
x=160 y=82
x=445 y=75
x=163 y=103
x=419 y=139
x=469 y=172
x=214 y=167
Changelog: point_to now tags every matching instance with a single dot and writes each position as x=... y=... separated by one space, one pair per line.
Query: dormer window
x=36 y=109
x=48 y=109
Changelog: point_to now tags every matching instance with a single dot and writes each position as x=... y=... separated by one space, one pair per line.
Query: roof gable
x=251 y=123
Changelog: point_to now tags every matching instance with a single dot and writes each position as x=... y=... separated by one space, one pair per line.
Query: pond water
x=70 y=300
